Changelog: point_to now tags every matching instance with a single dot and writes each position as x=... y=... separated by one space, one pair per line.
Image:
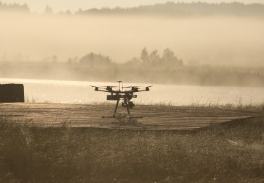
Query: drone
x=126 y=94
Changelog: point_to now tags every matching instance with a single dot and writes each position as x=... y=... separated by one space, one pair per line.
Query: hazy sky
x=61 y=5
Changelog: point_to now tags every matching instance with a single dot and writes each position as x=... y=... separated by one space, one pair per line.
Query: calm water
x=80 y=92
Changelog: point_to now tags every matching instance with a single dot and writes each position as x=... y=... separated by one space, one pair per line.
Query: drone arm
x=101 y=90
x=147 y=89
x=140 y=90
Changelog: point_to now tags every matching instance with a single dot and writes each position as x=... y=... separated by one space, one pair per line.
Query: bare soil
x=154 y=117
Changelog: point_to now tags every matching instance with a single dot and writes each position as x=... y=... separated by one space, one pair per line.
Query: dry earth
x=154 y=117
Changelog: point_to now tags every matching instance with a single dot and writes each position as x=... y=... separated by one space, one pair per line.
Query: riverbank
x=226 y=152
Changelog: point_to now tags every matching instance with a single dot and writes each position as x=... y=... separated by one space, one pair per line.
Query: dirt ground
x=154 y=117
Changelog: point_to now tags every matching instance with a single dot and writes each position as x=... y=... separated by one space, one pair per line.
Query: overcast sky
x=62 y=5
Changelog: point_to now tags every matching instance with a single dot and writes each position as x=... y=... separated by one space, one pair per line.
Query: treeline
x=148 y=67
x=166 y=9
x=14 y=7
x=186 y=9
x=146 y=59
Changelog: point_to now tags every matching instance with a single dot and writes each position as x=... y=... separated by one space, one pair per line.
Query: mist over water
x=184 y=44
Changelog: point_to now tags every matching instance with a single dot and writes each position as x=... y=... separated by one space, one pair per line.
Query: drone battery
x=113 y=97
x=11 y=93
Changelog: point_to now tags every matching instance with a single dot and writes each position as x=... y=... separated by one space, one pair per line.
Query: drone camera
x=129 y=104
x=113 y=97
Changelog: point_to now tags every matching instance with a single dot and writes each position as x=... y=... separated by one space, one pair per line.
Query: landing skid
x=128 y=112
x=127 y=117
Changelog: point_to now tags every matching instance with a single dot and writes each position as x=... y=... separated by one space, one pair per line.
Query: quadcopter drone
x=121 y=94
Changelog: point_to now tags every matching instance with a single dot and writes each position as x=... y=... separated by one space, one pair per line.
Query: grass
x=230 y=152
x=239 y=106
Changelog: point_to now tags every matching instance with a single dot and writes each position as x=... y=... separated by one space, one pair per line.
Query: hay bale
x=11 y=93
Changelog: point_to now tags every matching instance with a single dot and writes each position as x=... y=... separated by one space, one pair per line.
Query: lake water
x=80 y=92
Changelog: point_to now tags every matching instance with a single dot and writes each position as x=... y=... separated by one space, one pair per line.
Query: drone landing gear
x=126 y=104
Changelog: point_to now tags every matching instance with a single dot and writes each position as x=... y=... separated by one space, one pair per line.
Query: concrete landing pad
x=154 y=117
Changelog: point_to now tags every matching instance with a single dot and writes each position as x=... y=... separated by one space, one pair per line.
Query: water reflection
x=80 y=92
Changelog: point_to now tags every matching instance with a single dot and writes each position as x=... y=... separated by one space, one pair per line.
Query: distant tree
x=14 y=7
x=154 y=57
x=188 y=9
x=54 y=59
x=70 y=60
x=48 y=10
x=95 y=60
x=169 y=58
x=79 y=11
x=133 y=62
x=68 y=12
x=25 y=7
x=145 y=56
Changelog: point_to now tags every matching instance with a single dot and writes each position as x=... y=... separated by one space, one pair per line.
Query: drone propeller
x=108 y=86
x=102 y=86
x=131 y=87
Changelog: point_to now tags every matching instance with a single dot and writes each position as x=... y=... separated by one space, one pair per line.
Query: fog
x=187 y=44
x=204 y=40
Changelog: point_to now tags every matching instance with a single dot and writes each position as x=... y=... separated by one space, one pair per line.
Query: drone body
x=121 y=94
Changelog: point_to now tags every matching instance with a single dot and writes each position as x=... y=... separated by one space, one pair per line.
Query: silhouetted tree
x=145 y=56
x=169 y=58
x=14 y=7
x=48 y=10
x=70 y=60
x=188 y=9
x=68 y=12
x=94 y=60
x=54 y=58
x=154 y=57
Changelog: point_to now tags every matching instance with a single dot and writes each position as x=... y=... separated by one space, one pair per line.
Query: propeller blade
x=131 y=86
x=109 y=86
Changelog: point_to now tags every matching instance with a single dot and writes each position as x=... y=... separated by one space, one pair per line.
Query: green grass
x=230 y=152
